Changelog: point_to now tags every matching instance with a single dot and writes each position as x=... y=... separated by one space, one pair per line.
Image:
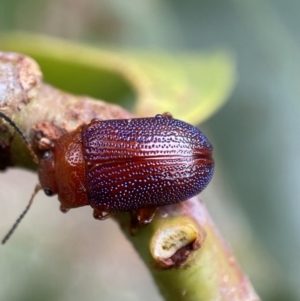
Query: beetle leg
x=140 y=217
x=64 y=209
x=95 y=120
x=134 y=223
x=145 y=215
x=102 y=215
x=167 y=115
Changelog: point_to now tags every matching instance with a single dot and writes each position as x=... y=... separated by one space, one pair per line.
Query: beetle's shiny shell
x=146 y=162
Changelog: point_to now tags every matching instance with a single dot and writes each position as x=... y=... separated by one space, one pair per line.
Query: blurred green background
x=254 y=196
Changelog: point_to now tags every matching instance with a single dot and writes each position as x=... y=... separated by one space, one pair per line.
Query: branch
x=181 y=247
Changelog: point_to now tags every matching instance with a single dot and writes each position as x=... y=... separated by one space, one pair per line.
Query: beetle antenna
x=6 y=118
x=13 y=228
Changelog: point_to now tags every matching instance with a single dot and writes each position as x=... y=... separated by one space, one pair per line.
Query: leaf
x=192 y=86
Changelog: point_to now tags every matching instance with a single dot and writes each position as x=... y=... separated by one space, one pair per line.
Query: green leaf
x=192 y=86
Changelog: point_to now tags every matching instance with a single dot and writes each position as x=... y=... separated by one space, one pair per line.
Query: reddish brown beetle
x=127 y=165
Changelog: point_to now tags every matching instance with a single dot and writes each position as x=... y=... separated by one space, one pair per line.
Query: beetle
x=136 y=164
